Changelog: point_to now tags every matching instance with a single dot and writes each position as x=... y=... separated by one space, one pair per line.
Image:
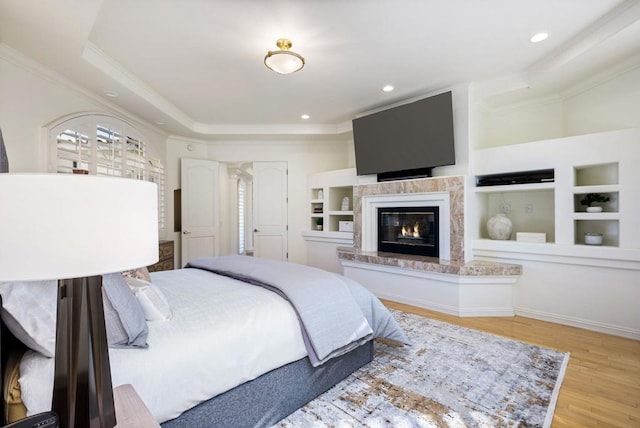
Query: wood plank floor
x=601 y=387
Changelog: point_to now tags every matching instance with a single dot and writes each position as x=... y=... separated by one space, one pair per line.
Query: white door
x=200 y=209
x=270 y=210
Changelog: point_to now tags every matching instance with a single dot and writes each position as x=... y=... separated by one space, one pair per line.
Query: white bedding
x=223 y=333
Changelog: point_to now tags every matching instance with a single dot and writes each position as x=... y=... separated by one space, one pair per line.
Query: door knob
x=185 y=232
x=256 y=230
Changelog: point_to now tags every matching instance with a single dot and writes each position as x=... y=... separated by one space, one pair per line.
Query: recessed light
x=538 y=37
x=111 y=94
x=305 y=116
x=159 y=122
x=387 y=88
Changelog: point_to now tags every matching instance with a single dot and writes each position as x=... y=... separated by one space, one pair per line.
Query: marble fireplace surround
x=446 y=284
x=445 y=192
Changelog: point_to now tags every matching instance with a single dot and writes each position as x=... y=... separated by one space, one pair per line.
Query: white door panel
x=270 y=210
x=200 y=209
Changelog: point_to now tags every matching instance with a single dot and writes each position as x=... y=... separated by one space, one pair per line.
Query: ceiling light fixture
x=538 y=37
x=111 y=94
x=305 y=116
x=387 y=88
x=283 y=61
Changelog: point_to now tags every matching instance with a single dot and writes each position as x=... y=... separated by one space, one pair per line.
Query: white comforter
x=214 y=342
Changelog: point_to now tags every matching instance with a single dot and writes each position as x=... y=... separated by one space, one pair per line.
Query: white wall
x=607 y=102
x=554 y=288
x=532 y=121
x=612 y=104
x=303 y=158
x=32 y=97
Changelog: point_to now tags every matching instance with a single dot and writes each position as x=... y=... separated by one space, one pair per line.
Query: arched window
x=105 y=145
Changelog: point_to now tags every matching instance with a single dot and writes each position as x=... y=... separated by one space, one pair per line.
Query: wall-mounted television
x=406 y=141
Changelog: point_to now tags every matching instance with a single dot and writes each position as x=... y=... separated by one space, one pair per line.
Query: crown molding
x=18 y=59
x=107 y=65
x=599 y=79
x=616 y=20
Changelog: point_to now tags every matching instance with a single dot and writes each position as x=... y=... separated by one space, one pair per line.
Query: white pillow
x=151 y=298
x=29 y=310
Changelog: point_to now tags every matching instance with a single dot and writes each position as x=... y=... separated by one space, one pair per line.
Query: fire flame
x=406 y=231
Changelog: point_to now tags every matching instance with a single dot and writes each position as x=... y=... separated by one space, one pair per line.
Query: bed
x=230 y=341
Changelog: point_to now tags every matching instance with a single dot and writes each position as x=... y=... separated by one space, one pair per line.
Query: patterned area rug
x=451 y=377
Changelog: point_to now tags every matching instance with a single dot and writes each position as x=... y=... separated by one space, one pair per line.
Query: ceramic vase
x=499 y=227
x=593 y=238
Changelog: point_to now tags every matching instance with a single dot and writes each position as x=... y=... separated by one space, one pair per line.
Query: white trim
x=601 y=327
x=371 y=204
x=578 y=255
x=459 y=295
x=342 y=238
x=19 y=59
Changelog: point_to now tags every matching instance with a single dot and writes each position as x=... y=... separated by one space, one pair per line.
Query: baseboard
x=449 y=310
x=612 y=329
x=446 y=309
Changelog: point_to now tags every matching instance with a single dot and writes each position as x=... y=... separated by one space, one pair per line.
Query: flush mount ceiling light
x=283 y=61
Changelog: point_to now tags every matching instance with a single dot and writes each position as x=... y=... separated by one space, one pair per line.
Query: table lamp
x=73 y=228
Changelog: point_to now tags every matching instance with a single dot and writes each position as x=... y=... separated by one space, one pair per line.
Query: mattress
x=223 y=333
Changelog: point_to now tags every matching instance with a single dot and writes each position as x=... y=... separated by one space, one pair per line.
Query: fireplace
x=409 y=230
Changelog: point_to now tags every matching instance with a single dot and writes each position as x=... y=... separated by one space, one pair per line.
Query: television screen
x=413 y=136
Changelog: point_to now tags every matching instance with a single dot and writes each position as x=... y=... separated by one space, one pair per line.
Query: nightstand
x=165 y=260
x=131 y=411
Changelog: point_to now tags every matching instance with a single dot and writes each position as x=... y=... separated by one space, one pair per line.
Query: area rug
x=450 y=377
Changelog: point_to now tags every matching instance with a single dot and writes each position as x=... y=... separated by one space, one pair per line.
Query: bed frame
x=261 y=402
x=271 y=397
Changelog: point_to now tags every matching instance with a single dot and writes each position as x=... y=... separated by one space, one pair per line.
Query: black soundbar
x=521 y=177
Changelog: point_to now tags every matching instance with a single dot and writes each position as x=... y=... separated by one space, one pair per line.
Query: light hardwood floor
x=601 y=387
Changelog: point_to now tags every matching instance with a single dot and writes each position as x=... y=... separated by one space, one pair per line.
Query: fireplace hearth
x=409 y=230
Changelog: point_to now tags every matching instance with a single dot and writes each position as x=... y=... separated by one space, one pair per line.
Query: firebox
x=408 y=230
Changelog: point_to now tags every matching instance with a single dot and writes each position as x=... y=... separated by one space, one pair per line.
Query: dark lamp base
x=82 y=390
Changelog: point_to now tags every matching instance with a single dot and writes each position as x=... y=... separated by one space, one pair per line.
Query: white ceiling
x=197 y=65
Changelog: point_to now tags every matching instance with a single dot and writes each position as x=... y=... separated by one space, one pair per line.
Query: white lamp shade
x=59 y=226
x=284 y=62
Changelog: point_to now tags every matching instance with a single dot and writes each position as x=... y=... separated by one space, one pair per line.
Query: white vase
x=499 y=227
x=594 y=209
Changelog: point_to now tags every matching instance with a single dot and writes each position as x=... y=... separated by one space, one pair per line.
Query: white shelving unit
x=604 y=163
x=602 y=179
x=327 y=191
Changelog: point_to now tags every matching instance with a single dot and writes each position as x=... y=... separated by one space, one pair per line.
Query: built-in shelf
x=601 y=178
x=328 y=192
x=515 y=188
x=603 y=163
x=596 y=216
x=605 y=188
x=341 y=213
x=587 y=255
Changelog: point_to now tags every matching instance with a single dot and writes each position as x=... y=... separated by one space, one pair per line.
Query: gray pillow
x=124 y=319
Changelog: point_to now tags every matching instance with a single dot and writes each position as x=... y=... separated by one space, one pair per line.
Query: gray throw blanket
x=336 y=314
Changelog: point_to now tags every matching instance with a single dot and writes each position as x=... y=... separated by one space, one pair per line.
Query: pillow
x=140 y=273
x=152 y=300
x=127 y=311
x=29 y=311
